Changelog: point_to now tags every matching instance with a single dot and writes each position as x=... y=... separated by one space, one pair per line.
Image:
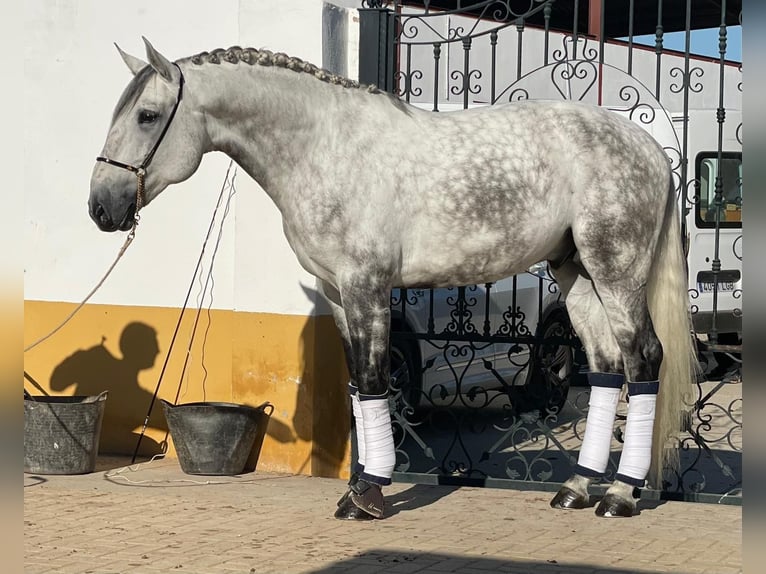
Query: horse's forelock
x=132 y=91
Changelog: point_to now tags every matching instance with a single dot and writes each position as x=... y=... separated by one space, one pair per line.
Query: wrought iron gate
x=487 y=380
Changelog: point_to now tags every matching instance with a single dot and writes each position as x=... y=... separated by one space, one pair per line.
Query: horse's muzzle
x=106 y=222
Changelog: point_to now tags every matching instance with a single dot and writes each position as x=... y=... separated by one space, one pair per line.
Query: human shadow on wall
x=321 y=413
x=94 y=370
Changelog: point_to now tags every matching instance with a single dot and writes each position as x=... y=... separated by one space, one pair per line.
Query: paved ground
x=158 y=519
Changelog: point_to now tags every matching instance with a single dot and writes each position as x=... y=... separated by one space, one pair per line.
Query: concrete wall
x=266 y=336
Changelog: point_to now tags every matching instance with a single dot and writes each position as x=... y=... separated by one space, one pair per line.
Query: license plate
x=722 y=286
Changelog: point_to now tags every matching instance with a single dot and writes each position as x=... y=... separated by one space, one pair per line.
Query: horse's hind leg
x=605 y=378
x=628 y=312
x=620 y=274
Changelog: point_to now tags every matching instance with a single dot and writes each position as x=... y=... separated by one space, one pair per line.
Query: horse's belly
x=468 y=259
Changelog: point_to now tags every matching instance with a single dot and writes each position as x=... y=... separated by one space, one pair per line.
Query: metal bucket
x=214 y=438
x=61 y=434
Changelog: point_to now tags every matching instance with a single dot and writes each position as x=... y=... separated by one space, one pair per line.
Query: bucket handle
x=264 y=406
x=98 y=398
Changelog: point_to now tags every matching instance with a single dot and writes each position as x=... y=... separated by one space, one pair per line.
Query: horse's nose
x=100 y=216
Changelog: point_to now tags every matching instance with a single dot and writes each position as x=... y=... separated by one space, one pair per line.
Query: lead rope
x=128 y=241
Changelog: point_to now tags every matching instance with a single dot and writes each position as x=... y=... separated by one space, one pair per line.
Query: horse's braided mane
x=252 y=56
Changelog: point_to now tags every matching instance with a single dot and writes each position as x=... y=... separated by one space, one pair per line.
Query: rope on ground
x=121 y=474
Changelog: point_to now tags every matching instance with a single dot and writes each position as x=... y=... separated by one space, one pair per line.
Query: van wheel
x=551 y=369
x=406 y=381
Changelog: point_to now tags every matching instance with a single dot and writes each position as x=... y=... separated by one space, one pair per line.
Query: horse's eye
x=147 y=116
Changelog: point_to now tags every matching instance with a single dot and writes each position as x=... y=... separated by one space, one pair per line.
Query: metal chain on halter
x=140 y=174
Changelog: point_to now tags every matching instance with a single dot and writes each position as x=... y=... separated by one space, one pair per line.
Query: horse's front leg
x=367 y=321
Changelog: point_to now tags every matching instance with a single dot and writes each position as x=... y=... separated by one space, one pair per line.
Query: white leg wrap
x=594 y=455
x=359 y=422
x=637 y=450
x=379 y=441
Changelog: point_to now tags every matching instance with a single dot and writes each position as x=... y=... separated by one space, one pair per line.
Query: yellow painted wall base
x=294 y=362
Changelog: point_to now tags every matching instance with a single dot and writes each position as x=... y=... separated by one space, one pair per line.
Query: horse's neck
x=268 y=120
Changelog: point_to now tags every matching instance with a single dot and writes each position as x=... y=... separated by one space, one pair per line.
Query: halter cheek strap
x=140 y=170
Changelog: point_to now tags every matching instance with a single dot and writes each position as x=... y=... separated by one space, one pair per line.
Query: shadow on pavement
x=425 y=562
x=417 y=496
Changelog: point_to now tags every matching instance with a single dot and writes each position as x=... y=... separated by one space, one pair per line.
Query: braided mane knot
x=251 y=56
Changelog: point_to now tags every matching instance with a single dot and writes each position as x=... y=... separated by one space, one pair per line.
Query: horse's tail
x=669 y=308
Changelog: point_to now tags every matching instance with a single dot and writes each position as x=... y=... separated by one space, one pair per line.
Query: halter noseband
x=140 y=171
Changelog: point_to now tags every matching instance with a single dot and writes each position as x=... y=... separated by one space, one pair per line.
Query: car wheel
x=551 y=370
x=405 y=386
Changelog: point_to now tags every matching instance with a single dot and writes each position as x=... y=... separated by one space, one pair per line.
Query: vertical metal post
x=520 y=33
x=377 y=37
x=493 y=71
x=547 y=19
x=601 y=29
x=718 y=197
x=601 y=5
x=575 y=29
x=408 y=74
x=437 y=57
x=631 y=12
x=513 y=307
x=487 y=323
x=658 y=36
x=685 y=209
x=466 y=70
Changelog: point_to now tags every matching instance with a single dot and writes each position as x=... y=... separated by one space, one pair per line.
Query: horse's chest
x=316 y=249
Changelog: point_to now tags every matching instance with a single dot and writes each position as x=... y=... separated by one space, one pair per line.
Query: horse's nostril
x=100 y=216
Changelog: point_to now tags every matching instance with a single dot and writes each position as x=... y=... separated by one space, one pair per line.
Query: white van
x=705 y=166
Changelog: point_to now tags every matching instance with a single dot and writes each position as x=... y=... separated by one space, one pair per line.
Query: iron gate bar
x=718 y=201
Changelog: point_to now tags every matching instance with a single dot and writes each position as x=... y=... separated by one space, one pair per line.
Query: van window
x=730 y=171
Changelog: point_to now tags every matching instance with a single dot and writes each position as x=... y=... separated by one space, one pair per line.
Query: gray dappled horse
x=371 y=191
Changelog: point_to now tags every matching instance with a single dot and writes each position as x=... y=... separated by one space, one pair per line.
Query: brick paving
x=158 y=519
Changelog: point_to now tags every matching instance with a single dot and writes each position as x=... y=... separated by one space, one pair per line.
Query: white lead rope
x=128 y=241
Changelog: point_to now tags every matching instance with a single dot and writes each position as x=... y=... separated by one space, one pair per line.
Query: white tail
x=669 y=308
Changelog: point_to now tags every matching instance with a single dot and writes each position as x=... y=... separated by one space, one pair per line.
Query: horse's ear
x=160 y=63
x=135 y=64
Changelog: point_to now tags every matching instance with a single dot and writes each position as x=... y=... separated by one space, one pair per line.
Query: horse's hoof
x=368 y=496
x=612 y=506
x=351 y=481
x=568 y=499
x=347 y=510
x=342 y=500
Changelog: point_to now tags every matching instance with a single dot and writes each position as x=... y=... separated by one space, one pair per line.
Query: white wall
x=73 y=77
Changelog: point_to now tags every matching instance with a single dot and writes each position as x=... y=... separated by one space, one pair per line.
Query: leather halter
x=140 y=170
